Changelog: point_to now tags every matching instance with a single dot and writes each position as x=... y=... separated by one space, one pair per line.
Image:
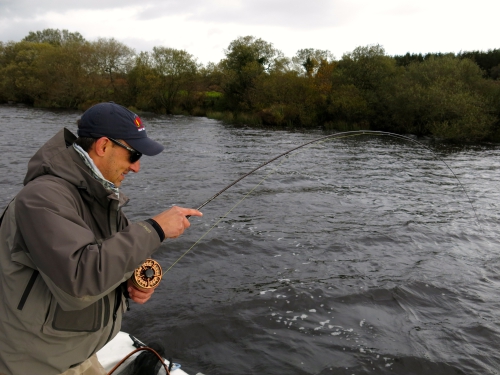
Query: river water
x=361 y=255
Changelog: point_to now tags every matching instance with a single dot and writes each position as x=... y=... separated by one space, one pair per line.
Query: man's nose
x=135 y=167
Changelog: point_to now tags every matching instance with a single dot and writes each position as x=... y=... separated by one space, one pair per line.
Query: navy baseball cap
x=115 y=121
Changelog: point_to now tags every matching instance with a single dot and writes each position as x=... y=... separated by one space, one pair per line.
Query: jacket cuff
x=157 y=227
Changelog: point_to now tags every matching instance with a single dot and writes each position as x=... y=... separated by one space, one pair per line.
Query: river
x=361 y=255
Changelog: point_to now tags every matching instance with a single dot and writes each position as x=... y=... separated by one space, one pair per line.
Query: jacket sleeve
x=77 y=269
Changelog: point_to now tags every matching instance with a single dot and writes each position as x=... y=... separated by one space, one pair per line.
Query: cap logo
x=138 y=123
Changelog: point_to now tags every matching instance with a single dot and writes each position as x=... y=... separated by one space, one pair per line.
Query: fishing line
x=317 y=140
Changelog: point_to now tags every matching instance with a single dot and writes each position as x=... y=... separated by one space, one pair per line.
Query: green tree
x=246 y=59
x=367 y=67
x=163 y=76
x=488 y=61
x=66 y=82
x=44 y=75
x=55 y=37
x=365 y=74
x=209 y=79
x=108 y=63
x=285 y=98
x=140 y=92
x=67 y=75
x=308 y=60
x=405 y=60
x=495 y=72
x=445 y=96
x=19 y=78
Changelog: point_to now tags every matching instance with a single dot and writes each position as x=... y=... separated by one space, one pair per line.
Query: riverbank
x=454 y=97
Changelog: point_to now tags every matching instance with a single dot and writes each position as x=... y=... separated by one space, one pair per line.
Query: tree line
x=443 y=95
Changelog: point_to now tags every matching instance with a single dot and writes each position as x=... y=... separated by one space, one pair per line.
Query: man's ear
x=100 y=146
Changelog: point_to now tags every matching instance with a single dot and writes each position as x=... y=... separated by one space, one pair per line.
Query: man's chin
x=119 y=181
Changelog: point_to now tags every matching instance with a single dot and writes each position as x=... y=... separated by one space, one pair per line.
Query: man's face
x=116 y=163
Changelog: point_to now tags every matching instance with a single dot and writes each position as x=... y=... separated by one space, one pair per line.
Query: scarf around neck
x=96 y=173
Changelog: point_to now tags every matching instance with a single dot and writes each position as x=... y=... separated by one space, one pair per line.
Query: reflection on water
x=354 y=256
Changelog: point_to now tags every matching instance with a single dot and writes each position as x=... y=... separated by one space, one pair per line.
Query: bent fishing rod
x=152 y=273
x=331 y=136
x=339 y=135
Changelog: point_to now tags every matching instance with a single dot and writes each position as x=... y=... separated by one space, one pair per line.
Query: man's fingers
x=174 y=221
x=139 y=296
x=192 y=212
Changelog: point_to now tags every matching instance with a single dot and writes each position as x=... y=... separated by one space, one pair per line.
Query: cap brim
x=146 y=146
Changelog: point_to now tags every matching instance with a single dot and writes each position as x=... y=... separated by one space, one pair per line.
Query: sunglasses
x=134 y=155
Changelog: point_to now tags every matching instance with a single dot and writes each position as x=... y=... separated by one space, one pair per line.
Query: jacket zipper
x=27 y=291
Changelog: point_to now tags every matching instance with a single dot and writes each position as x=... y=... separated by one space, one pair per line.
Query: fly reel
x=148 y=275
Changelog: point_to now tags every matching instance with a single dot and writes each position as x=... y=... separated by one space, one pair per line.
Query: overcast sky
x=204 y=28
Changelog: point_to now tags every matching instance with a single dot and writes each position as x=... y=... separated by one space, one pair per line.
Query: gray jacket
x=65 y=250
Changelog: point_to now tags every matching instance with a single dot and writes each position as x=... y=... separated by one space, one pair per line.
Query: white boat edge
x=118 y=348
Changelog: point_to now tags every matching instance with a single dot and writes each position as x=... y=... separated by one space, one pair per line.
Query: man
x=67 y=251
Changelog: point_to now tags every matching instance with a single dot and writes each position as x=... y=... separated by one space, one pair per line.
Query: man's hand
x=138 y=296
x=174 y=221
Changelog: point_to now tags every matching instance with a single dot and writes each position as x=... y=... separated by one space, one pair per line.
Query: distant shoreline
x=454 y=97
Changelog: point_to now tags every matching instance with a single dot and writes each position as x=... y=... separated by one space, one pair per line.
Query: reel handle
x=148 y=275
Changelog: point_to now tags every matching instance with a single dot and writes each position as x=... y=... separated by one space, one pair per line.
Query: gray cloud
x=140 y=44
x=286 y=13
x=17 y=30
x=29 y=8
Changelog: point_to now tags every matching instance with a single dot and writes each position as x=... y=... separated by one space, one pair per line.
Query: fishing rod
x=331 y=136
x=340 y=135
x=155 y=273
